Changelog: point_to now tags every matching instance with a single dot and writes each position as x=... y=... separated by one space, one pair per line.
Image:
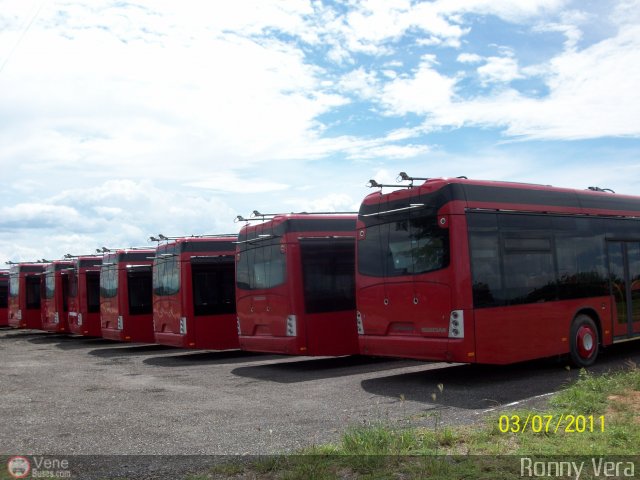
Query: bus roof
x=435 y=193
x=213 y=243
x=280 y=225
x=28 y=267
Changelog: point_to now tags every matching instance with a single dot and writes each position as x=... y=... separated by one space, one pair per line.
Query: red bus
x=295 y=285
x=126 y=307
x=194 y=302
x=84 y=296
x=24 y=295
x=461 y=270
x=4 y=298
x=54 y=295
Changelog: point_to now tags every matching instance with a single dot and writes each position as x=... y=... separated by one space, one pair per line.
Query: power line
x=24 y=32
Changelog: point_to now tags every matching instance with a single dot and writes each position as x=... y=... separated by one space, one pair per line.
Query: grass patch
x=378 y=451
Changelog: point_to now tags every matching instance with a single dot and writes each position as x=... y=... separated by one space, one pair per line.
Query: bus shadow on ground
x=77 y=343
x=49 y=337
x=27 y=334
x=485 y=386
x=304 y=370
x=130 y=350
x=213 y=357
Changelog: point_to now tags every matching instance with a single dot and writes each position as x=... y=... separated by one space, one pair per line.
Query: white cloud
x=499 y=70
x=469 y=58
x=427 y=90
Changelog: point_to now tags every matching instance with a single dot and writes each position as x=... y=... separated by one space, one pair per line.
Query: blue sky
x=122 y=119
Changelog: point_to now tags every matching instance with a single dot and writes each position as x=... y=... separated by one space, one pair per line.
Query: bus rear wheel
x=584 y=341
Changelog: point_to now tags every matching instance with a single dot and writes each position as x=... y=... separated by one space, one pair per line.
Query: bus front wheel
x=584 y=341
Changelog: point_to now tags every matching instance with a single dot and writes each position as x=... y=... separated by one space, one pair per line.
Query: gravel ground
x=63 y=395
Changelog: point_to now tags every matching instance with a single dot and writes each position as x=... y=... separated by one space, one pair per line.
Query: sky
x=125 y=119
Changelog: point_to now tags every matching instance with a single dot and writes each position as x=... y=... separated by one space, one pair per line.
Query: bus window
x=14 y=284
x=93 y=292
x=328 y=270
x=4 y=294
x=166 y=275
x=261 y=267
x=406 y=247
x=49 y=285
x=213 y=288
x=109 y=281
x=140 y=292
x=33 y=292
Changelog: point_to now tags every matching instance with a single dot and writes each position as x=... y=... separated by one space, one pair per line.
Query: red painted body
x=24 y=295
x=277 y=316
x=194 y=293
x=84 y=296
x=410 y=315
x=54 y=295
x=4 y=298
x=126 y=312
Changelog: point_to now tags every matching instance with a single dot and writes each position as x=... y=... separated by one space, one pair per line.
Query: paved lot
x=62 y=395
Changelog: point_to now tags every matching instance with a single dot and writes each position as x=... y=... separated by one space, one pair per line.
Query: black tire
x=584 y=341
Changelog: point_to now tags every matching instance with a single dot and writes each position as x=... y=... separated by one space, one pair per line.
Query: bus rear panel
x=295 y=285
x=4 y=298
x=24 y=295
x=84 y=296
x=194 y=293
x=126 y=303
x=54 y=294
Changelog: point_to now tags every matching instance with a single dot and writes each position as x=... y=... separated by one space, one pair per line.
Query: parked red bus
x=194 y=293
x=84 y=295
x=493 y=272
x=54 y=295
x=126 y=303
x=24 y=295
x=295 y=285
x=4 y=298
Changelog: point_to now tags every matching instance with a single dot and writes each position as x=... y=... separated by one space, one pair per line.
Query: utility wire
x=24 y=32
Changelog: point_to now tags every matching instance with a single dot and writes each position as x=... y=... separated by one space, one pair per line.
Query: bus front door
x=624 y=278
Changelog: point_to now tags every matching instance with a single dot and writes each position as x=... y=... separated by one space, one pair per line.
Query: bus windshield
x=166 y=273
x=108 y=281
x=408 y=246
x=260 y=267
x=14 y=284
x=49 y=285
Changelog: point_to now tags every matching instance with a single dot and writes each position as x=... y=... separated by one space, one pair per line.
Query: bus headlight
x=56 y=317
x=359 y=323
x=456 y=324
x=120 y=322
x=238 y=325
x=183 y=325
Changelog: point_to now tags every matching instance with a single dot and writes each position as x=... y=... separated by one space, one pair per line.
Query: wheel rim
x=586 y=341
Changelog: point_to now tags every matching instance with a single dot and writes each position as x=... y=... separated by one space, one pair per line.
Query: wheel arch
x=593 y=314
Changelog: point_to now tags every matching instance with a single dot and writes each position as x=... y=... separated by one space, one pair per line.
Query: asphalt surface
x=64 y=395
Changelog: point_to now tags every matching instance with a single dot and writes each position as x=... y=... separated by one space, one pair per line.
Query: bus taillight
x=456 y=324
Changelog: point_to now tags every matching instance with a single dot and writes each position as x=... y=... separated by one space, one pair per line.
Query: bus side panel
x=166 y=320
x=109 y=318
x=332 y=333
x=525 y=332
x=4 y=300
x=216 y=332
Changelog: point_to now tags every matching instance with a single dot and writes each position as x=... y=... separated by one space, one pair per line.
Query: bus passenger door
x=624 y=278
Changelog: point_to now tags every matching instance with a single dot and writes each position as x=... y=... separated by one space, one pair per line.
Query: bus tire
x=584 y=341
